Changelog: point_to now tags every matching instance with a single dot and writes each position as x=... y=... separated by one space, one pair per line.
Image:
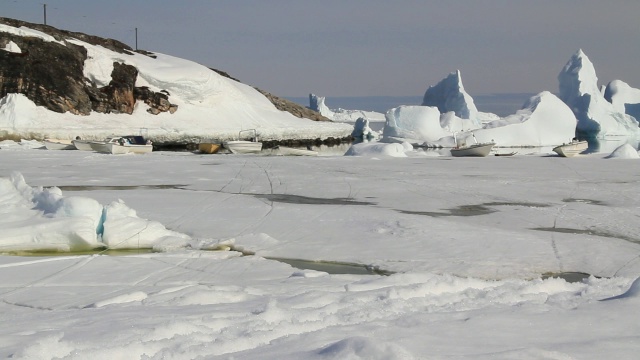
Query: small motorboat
x=84 y=145
x=123 y=145
x=289 y=151
x=479 y=150
x=571 y=149
x=55 y=144
x=251 y=146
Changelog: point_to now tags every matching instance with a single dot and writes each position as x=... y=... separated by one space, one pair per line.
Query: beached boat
x=122 y=145
x=209 y=148
x=128 y=148
x=571 y=149
x=250 y=146
x=84 y=145
x=103 y=146
x=55 y=144
x=479 y=150
x=289 y=151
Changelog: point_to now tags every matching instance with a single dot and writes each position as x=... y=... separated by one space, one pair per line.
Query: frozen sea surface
x=466 y=244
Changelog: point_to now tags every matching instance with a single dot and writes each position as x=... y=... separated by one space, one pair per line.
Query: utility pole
x=45 y=13
x=136 y=39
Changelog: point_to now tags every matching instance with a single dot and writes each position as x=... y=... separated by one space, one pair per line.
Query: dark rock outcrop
x=51 y=74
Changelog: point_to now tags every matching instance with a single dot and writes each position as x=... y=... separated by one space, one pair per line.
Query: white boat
x=480 y=150
x=289 y=151
x=55 y=144
x=102 y=146
x=571 y=149
x=129 y=148
x=84 y=145
x=122 y=145
x=477 y=149
x=251 y=146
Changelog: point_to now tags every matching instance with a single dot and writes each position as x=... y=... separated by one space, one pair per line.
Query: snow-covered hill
x=205 y=104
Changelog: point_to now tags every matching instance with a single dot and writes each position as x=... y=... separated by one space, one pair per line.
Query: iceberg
x=449 y=95
x=544 y=120
x=624 y=98
x=596 y=116
x=317 y=103
x=415 y=124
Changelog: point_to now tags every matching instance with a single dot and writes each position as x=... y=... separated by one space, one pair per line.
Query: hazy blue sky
x=368 y=47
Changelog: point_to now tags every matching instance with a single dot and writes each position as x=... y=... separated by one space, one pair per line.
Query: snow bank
x=625 y=151
x=373 y=149
x=12 y=48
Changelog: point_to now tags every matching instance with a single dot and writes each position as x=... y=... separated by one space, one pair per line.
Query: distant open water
x=499 y=104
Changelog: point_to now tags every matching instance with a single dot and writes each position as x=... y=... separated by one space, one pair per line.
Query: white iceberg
x=623 y=97
x=596 y=116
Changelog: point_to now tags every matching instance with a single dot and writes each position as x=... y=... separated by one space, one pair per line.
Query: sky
x=338 y=48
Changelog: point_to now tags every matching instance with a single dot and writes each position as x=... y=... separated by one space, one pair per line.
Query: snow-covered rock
x=596 y=116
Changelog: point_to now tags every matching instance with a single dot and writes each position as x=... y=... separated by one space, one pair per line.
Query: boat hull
x=208 y=148
x=58 y=145
x=100 y=146
x=288 y=151
x=477 y=150
x=571 y=149
x=129 y=149
x=83 y=145
x=243 y=147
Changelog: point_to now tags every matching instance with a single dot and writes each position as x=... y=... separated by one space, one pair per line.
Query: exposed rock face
x=36 y=73
x=51 y=74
